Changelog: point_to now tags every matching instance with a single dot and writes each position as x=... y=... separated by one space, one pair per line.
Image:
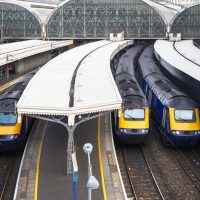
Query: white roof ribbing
x=170 y=5
x=58 y=7
x=39 y=10
x=166 y=51
x=18 y=50
x=166 y=13
x=95 y=90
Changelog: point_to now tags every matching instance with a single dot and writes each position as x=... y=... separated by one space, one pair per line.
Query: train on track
x=131 y=124
x=14 y=132
x=175 y=112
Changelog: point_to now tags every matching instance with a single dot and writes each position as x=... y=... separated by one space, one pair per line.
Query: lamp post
x=92 y=182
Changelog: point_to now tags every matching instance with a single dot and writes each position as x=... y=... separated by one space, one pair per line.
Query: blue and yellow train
x=13 y=132
x=176 y=113
x=131 y=124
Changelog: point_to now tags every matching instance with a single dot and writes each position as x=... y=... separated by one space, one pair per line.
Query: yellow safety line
x=100 y=160
x=6 y=85
x=38 y=166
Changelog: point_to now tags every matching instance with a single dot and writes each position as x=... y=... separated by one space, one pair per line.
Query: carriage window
x=136 y=114
x=7 y=118
x=184 y=115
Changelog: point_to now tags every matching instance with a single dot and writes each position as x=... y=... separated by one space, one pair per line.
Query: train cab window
x=7 y=118
x=136 y=114
x=184 y=115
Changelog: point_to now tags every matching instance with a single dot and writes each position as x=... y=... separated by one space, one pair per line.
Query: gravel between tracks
x=9 y=166
x=164 y=161
x=170 y=176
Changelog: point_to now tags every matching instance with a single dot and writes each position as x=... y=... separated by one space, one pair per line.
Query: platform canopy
x=95 y=90
x=18 y=50
x=182 y=55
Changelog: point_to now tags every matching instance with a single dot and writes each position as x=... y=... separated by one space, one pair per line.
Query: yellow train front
x=131 y=124
x=13 y=132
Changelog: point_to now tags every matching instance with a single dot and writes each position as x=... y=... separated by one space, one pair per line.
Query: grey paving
x=26 y=182
x=54 y=184
x=112 y=179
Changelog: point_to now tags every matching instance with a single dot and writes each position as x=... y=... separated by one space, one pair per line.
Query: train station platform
x=43 y=172
x=20 y=57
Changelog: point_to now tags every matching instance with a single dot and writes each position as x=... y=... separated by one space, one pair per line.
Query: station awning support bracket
x=70 y=129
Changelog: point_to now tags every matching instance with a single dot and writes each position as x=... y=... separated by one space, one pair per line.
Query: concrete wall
x=29 y=63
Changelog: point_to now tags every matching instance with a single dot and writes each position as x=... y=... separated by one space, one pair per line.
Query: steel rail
x=154 y=178
x=154 y=182
x=7 y=177
x=128 y=175
x=182 y=156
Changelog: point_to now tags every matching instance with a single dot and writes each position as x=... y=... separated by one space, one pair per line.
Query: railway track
x=7 y=164
x=138 y=177
x=188 y=160
x=190 y=163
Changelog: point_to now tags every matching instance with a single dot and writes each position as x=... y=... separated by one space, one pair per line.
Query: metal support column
x=70 y=148
x=70 y=130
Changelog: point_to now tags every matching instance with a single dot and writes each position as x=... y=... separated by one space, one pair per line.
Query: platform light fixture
x=92 y=182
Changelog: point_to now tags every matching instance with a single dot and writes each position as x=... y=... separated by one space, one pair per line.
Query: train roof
x=164 y=89
x=147 y=62
x=148 y=67
x=134 y=102
x=10 y=98
x=168 y=93
x=148 y=52
x=126 y=62
x=130 y=91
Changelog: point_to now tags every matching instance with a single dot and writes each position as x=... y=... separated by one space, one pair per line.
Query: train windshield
x=137 y=114
x=7 y=118
x=184 y=115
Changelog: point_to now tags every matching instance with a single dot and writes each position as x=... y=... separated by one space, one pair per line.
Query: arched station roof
x=167 y=13
x=187 y=22
x=98 y=18
x=22 y=19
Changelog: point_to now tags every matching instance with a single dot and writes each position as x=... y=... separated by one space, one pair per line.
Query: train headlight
x=197 y=132
x=123 y=130
x=178 y=132
x=144 y=130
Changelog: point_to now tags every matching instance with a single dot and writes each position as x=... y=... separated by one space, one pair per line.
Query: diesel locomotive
x=176 y=113
x=13 y=132
x=131 y=124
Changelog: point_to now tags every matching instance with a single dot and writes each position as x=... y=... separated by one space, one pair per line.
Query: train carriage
x=131 y=124
x=176 y=113
x=13 y=132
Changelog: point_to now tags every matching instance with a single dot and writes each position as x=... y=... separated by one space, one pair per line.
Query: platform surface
x=48 y=148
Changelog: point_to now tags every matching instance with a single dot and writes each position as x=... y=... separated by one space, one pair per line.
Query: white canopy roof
x=167 y=52
x=18 y=50
x=95 y=90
